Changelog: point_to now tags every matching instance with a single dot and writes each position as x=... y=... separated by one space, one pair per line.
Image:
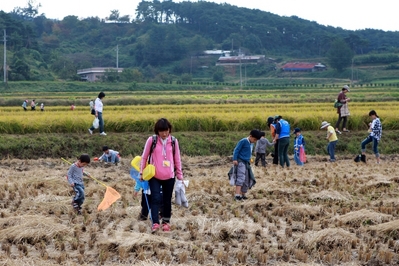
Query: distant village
x=224 y=59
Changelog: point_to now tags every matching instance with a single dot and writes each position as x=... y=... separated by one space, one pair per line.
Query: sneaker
x=332 y=160
x=155 y=227
x=363 y=158
x=237 y=198
x=165 y=227
x=339 y=132
x=345 y=130
x=244 y=197
x=103 y=134
x=90 y=131
x=357 y=158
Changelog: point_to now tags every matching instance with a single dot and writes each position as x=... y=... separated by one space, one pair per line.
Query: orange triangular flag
x=111 y=195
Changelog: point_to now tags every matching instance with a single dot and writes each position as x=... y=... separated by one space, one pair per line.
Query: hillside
x=165 y=40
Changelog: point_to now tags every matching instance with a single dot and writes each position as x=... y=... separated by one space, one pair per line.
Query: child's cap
x=296 y=130
x=255 y=133
x=324 y=124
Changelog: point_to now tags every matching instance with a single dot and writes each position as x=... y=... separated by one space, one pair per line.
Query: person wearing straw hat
x=343 y=110
x=75 y=179
x=332 y=139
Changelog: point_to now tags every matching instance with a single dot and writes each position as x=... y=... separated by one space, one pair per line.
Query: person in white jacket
x=109 y=156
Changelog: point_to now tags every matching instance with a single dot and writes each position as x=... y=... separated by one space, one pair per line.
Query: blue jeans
x=113 y=159
x=331 y=149
x=101 y=122
x=79 y=194
x=375 y=145
x=161 y=194
x=296 y=157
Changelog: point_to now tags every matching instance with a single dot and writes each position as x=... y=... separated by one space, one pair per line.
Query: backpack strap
x=154 y=143
x=173 y=145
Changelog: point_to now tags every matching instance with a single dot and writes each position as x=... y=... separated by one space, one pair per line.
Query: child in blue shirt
x=299 y=142
x=241 y=160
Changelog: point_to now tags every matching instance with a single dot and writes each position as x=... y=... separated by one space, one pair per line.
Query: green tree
x=20 y=69
x=110 y=75
x=28 y=12
x=130 y=75
x=340 y=55
x=64 y=68
x=218 y=75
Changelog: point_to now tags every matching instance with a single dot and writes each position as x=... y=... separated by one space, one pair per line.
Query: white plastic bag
x=180 y=194
x=96 y=123
x=232 y=174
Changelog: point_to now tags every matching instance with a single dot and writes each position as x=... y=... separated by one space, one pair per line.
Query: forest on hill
x=167 y=38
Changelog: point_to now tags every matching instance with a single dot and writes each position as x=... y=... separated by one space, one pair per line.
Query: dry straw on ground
x=319 y=214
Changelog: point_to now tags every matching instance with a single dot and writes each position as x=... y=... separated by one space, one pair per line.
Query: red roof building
x=303 y=66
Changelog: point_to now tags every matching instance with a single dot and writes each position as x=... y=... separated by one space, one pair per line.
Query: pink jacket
x=162 y=170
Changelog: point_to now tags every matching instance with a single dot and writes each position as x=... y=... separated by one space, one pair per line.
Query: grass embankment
x=33 y=146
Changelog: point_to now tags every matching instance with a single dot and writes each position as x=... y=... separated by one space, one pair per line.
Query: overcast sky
x=347 y=14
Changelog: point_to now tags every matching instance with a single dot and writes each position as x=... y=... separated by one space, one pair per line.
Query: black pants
x=261 y=157
x=340 y=118
x=145 y=207
x=275 y=158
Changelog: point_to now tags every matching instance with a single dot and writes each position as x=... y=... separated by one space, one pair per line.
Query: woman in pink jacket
x=162 y=150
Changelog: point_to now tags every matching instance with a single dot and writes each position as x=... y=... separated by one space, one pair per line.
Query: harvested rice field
x=319 y=214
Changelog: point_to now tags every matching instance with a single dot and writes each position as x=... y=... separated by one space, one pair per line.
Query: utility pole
x=245 y=75
x=352 y=73
x=191 y=66
x=240 y=73
x=5 y=60
x=117 y=57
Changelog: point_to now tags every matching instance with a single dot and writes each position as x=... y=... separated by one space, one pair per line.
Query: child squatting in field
x=75 y=179
x=110 y=156
x=241 y=159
